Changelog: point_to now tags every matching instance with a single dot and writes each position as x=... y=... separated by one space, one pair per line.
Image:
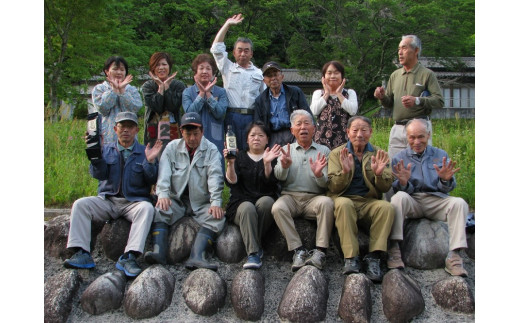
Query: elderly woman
x=207 y=99
x=163 y=100
x=115 y=95
x=333 y=106
x=253 y=190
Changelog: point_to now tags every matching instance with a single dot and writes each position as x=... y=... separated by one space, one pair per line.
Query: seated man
x=422 y=188
x=190 y=183
x=126 y=173
x=359 y=173
x=302 y=170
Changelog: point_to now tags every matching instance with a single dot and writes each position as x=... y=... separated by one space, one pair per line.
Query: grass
x=66 y=165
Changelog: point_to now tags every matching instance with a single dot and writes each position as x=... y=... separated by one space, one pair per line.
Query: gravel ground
x=277 y=275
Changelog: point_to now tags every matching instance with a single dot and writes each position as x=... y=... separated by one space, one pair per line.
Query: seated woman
x=207 y=99
x=253 y=190
x=163 y=100
x=115 y=95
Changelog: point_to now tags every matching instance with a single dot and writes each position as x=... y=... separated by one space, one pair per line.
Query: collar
x=350 y=148
x=121 y=148
x=426 y=151
x=413 y=70
x=282 y=92
x=191 y=151
x=313 y=145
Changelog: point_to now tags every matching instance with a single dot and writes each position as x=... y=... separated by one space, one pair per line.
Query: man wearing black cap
x=190 y=183
x=126 y=173
x=274 y=105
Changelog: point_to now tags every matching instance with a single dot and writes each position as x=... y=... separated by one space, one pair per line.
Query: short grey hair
x=363 y=118
x=421 y=121
x=243 y=40
x=416 y=43
x=300 y=112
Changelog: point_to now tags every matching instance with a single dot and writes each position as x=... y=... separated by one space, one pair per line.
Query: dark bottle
x=231 y=143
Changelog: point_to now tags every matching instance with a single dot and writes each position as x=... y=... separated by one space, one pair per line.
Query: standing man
x=126 y=173
x=190 y=183
x=403 y=93
x=276 y=103
x=359 y=173
x=424 y=180
x=243 y=81
x=302 y=171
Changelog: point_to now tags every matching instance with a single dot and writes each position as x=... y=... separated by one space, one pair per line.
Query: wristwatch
x=417 y=101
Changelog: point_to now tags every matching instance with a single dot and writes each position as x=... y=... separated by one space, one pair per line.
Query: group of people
x=288 y=165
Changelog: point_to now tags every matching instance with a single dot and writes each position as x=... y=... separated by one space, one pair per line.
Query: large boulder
x=426 y=243
x=204 y=292
x=150 y=293
x=59 y=290
x=401 y=296
x=305 y=297
x=181 y=238
x=355 y=304
x=56 y=235
x=114 y=237
x=454 y=294
x=247 y=295
x=104 y=294
x=230 y=246
x=275 y=245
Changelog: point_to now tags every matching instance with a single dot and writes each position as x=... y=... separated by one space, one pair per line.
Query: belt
x=405 y=121
x=241 y=110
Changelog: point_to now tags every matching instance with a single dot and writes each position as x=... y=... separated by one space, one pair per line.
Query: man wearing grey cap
x=126 y=173
x=190 y=183
x=274 y=105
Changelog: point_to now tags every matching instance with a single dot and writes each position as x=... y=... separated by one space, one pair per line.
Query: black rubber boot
x=159 y=240
x=204 y=238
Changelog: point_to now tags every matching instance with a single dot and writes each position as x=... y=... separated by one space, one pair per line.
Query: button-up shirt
x=279 y=113
x=243 y=85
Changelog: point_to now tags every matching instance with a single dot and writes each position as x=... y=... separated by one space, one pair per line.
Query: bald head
x=417 y=134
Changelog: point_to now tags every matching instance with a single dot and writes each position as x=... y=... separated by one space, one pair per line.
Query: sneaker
x=129 y=265
x=298 y=259
x=80 y=260
x=253 y=261
x=455 y=265
x=373 y=269
x=394 y=260
x=317 y=259
x=352 y=266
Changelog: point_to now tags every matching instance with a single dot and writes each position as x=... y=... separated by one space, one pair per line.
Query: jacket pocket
x=137 y=176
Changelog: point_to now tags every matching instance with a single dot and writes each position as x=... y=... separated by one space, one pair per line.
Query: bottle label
x=231 y=143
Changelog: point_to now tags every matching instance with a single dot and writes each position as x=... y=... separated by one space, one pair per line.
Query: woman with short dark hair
x=115 y=95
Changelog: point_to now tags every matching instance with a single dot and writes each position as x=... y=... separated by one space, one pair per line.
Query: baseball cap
x=191 y=118
x=126 y=115
x=271 y=65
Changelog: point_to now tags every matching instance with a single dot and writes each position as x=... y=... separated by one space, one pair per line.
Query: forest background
x=80 y=35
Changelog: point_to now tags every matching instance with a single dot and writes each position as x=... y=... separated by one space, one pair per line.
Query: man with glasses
x=126 y=173
x=276 y=103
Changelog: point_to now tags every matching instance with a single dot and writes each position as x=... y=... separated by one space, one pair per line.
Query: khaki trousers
x=311 y=207
x=87 y=209
x=423 y=205
x=378 y=214
x=254 y=220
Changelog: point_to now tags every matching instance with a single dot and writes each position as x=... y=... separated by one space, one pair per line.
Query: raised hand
x=447 y=171
x=326 y=88
x=347 y=160
x=168 y=81
x=153 y=152
x=339 y=89
x=318 y=165
x=156 y=79
x=113 y=83
x=271 y=154
x=286 y=159
x=402 y=173
x=122 y=85
x=379 y=162
x=235 y=20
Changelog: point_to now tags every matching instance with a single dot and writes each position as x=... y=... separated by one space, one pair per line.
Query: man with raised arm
x=243 y=81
